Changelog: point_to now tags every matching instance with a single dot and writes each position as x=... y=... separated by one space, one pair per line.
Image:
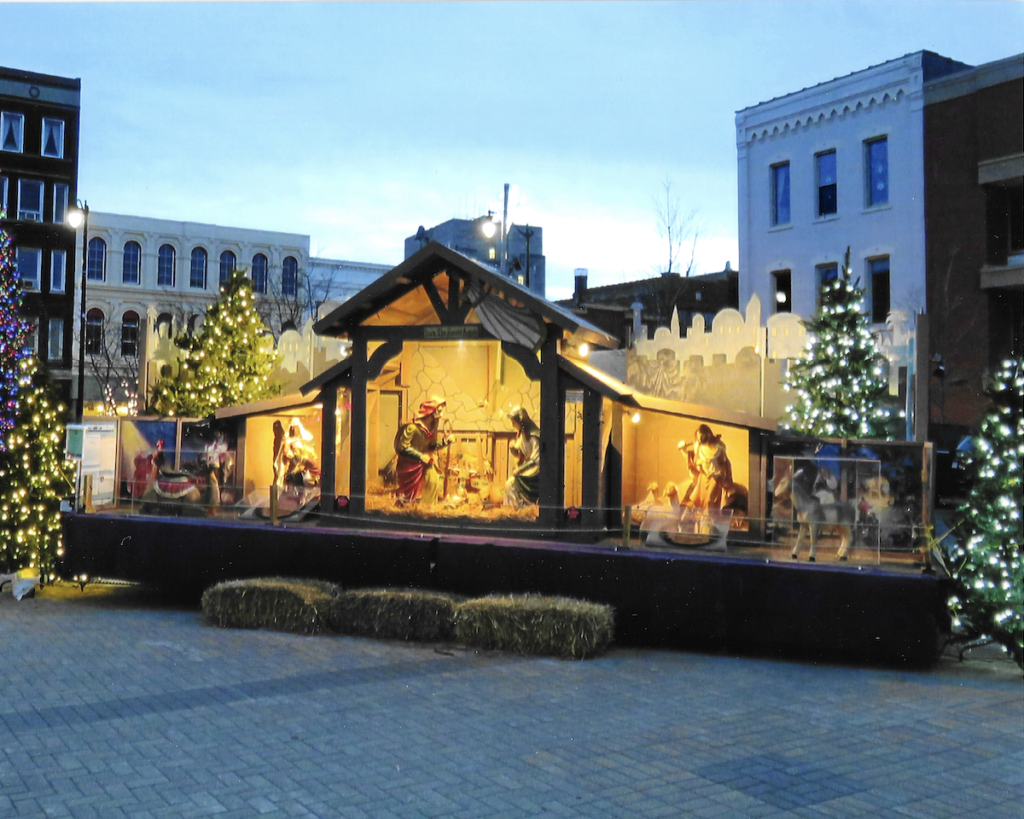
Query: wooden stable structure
x=442 y=323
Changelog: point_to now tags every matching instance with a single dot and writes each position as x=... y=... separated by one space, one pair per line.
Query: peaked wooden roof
x=427 y=263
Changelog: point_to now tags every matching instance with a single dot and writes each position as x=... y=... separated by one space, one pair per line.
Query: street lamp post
x=80 y=216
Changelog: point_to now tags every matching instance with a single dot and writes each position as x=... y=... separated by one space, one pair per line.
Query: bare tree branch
x=117 y=374
x=677 y=230
x=281 y=311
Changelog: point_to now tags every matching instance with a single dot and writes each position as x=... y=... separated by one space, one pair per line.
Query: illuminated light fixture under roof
x=584 y=349
x=636 y=417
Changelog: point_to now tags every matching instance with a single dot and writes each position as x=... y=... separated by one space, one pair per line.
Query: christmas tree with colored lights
x=840 y=387
x=13 y=333
x=985 y=559
x=34 y=476
x=229 y=362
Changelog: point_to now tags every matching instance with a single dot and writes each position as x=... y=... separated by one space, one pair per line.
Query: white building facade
x=837 y=165
x=148 y=280
x=151 y=277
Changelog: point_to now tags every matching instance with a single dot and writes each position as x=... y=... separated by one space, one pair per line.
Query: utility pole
x=527 y=233
x=504 y=235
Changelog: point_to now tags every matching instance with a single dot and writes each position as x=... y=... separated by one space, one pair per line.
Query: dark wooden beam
x=357 y=467
x=552 y=436
x=328 y=448
x=592 y=494
x=439 y=306
x=381 y=356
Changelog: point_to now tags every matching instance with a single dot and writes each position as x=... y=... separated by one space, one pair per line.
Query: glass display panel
x=147 y=447
x=684 y=479
x=826 y=509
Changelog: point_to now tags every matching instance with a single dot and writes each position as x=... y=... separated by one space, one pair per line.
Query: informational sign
x=95 y=446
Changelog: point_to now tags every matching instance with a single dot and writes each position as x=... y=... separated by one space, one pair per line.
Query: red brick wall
x=958 y=133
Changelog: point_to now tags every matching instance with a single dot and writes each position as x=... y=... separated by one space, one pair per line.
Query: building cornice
x=972 y=80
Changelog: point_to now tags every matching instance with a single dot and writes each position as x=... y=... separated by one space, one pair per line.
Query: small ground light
x=341 y=503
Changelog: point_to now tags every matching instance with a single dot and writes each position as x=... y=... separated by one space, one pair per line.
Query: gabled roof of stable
x=427 y=263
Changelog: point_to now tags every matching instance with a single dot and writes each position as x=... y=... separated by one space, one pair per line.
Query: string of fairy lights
x=228 y=362
x=840 y=383
x=35 y=473
x=986 y=548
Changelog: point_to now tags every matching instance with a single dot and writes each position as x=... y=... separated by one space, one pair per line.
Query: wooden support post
x=627 y=525
x=328 y=446
x=273 y=503
x=357 y=470
x=593 y=484
x=552 y=434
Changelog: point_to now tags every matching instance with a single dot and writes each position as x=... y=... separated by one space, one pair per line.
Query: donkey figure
x=813 y=515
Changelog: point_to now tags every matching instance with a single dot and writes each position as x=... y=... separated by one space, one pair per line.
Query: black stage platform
x=677 y=598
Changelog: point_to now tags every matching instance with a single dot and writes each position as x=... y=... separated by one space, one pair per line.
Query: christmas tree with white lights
x=13 y=334
x=229 y=362
x=34 y=476
x=985 y=559
x=841 y=391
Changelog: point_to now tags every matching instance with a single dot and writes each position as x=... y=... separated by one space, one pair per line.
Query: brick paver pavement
x=113 y=704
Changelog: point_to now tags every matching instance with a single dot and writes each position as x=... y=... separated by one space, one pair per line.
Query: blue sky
x=355 y=123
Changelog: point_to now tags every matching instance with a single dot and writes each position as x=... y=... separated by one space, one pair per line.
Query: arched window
x=290 y=277
x=94 y=331
x=164 y=325
x=227 y=265
x=165 y=266
x=130 y=334
x=96 y=267
x=132 y=263
x=259 y=273
x=197 y=275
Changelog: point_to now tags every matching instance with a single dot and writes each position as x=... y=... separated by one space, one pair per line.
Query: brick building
x=39 y=116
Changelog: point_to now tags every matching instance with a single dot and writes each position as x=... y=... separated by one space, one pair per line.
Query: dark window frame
x=828 y=191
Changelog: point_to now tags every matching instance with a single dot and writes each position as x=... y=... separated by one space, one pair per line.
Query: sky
x=354 y=123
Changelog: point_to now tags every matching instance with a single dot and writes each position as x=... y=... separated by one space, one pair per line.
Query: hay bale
x=276 y=603
x=527 y=624
x=393 y=614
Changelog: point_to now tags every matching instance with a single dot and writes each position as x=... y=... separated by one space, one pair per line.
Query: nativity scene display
x=177 y=468
x=696 y=488
x=468 y=445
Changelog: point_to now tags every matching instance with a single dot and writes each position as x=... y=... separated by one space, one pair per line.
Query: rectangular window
x=780 y=194
x=55 y=340
x=32 y=336
x=876 y=154
x=783 y=281
x=60 y=203
x=879 y=273
x=30 y=263
x=826 y=175
x=825 y=273
x=53 y=138
x=30 y=200
x=58 y=266
x=3 y=193
x=12 y=131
